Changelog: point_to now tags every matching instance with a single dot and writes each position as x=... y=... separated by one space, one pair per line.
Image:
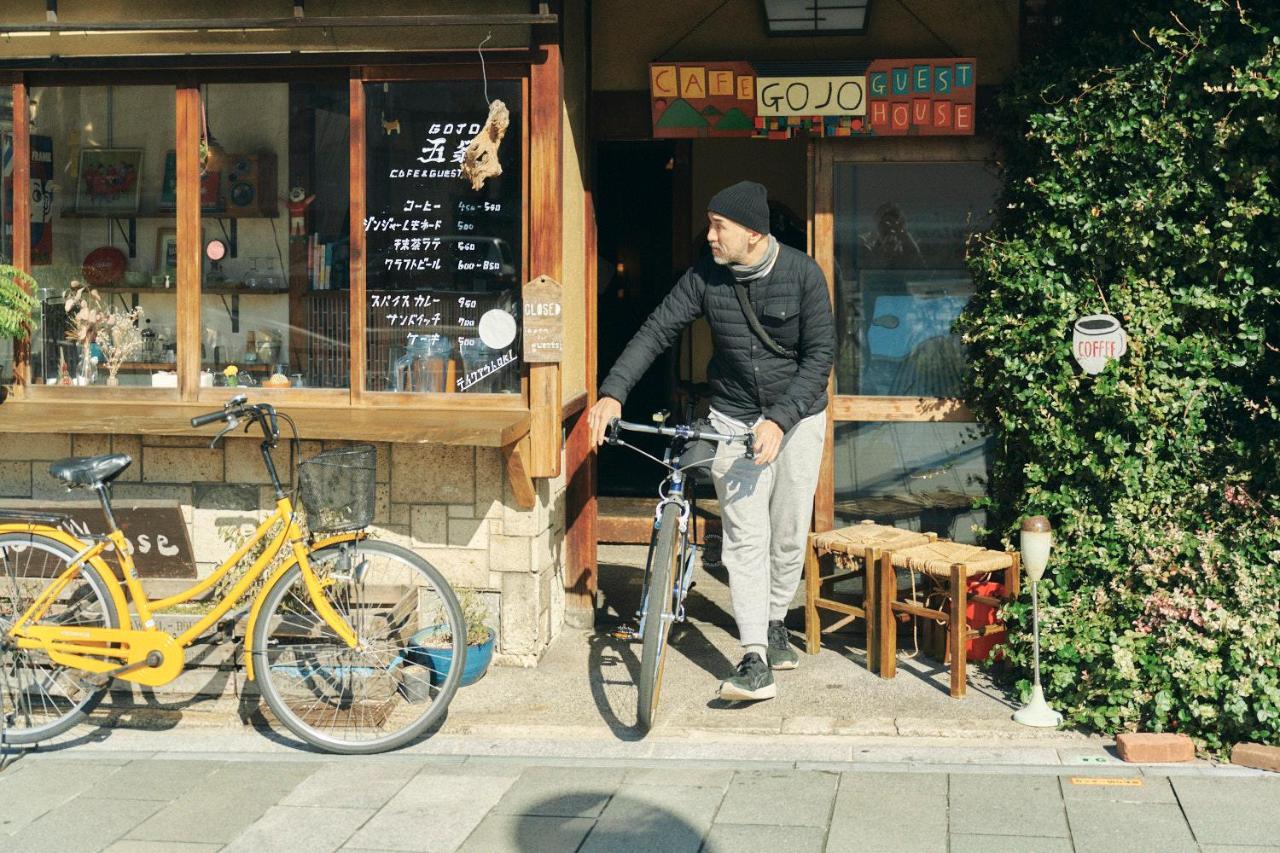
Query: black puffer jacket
x=746 y=379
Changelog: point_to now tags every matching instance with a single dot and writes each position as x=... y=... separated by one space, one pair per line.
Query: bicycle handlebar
x=264 y=414
x=747 y=439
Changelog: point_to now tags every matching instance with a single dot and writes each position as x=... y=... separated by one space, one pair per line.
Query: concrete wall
x=466 y=524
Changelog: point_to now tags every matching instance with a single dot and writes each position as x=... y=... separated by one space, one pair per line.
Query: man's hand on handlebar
x=768 y=442
x=605 y=411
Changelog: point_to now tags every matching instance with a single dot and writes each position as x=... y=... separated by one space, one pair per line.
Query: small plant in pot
x=17 y=304
x=433 y=645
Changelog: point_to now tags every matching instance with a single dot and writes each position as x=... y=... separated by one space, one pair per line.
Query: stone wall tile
x=15 y=479
x=429 y=525
x=463 y=568
x=90 y=445
x=432 y=473
x=244 y=459
x=510 y=554
x=490 y=476
x=132 y=445
x=181 y=465
x=519 y=613
x=468 y=533
x=20 y=447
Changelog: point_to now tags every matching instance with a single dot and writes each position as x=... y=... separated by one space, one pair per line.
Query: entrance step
x=628 y=521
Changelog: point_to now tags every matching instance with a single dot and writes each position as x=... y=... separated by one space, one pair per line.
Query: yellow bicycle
x=356 y=645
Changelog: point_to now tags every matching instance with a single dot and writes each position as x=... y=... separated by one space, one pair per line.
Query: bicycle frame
x=84 y=648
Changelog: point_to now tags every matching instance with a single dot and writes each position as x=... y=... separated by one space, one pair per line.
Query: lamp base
x=1037 y=712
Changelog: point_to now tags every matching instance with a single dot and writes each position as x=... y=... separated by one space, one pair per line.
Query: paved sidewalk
x=221 y=791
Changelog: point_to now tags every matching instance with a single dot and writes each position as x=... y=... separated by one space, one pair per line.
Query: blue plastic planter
x=478 y=658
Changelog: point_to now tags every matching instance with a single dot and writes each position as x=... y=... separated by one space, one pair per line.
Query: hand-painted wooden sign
x=772 y=100
x=156 y=532
x=543 y=321
x=1096 y=340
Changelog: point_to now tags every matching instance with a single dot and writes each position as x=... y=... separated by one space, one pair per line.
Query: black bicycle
x=668 y=570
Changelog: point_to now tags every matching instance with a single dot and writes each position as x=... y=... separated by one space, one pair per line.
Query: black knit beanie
x=746 y=203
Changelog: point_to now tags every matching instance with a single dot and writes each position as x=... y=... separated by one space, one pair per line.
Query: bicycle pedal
x=630 y=635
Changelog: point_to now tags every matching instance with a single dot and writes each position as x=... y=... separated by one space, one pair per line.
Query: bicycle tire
x=306 y=684
x=658 y=606
x=16 y=692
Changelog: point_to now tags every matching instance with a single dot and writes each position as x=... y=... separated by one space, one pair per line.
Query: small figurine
x=298 y=203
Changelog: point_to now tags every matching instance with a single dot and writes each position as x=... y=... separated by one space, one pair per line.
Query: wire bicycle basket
x=337 y=489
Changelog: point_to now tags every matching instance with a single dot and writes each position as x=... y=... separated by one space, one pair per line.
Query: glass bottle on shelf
x=251 y=277
x=269 y=274
x=148 y=343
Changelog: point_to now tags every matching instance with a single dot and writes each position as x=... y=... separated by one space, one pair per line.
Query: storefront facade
x=281 y=195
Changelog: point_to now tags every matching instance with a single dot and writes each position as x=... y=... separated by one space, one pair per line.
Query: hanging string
x=483 y=73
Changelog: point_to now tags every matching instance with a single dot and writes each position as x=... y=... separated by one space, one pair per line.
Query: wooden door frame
x=824 y=156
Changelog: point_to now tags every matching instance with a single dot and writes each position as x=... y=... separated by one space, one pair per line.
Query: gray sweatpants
x=765 y=513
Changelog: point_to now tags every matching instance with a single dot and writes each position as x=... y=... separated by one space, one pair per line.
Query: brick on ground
x=1147 y=748
x=1257 y=756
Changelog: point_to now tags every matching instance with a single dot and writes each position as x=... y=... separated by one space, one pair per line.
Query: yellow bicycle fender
x=76 y=546
x=270 y=584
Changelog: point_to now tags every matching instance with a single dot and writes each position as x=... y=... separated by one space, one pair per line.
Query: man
x=774 y=384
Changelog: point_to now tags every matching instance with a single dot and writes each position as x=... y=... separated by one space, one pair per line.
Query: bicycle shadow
x=588 y=818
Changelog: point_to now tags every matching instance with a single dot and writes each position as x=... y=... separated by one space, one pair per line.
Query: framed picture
x=110 y=181
x=167 y=251
x=209 y=186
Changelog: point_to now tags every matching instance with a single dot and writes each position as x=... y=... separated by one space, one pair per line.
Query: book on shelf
x=326 y=264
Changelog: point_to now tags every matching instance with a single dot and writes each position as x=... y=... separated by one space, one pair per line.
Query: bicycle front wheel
x=40 y=699
x=659 y=601
x=403 y=671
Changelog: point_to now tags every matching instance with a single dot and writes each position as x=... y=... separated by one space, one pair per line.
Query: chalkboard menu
x=442 y=260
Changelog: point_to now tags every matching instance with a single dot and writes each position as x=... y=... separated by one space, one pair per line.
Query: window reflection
x=901 y=282
x=919 y=476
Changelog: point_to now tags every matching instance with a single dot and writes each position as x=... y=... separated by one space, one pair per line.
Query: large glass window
x=275 y=224
x=102 y=179
x=6 y=210
x=443 y=257
x=900 y=276
x=921 y=476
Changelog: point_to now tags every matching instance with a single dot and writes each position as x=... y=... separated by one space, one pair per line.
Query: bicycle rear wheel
x=40 y=699
x=395 y=683
x=659 y=600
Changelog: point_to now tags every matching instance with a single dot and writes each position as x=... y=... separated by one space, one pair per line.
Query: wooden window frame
x=824 y=156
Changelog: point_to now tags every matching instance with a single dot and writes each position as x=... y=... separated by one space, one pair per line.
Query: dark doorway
x=636 y=208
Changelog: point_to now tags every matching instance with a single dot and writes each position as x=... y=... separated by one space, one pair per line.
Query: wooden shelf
x=206 y=290
x=456 y=425
x=72 y=213
x=254 y=366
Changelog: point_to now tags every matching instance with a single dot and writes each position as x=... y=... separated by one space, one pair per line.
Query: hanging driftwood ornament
x=480 y=161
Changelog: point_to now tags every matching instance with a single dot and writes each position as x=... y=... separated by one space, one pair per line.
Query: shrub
x=1142 y=181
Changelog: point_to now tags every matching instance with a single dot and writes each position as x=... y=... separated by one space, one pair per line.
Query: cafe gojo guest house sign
x=775 y=100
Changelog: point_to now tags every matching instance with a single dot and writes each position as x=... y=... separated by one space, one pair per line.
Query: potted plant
x=433 y=645
x=17 y=303
x=102 y=333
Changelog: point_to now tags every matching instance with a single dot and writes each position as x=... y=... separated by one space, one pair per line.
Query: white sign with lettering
x=1097 y=340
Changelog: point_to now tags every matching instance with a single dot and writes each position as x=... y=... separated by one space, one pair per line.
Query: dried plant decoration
x=480 y=161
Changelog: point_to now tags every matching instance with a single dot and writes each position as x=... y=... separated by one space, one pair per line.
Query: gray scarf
x=743 y=273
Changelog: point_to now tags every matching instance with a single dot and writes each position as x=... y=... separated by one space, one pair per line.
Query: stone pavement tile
x=238 y=793
x=305 y=829
x=1232 y=848
x=44 y=785
x=673 y=819
x=1101 y=827
x=352 y=786
x=740 y=838
x=1152 y=790
x=81 y=824
x=1007 y=805
x=681 y=776
x=1008 y=844
x=1230 y=811
x=889 y=812
x=431 y=813
x=127 y=846
x=506 y=833
x=929 y=753
x=157 y=780
x=795 y=798
x=562 y=791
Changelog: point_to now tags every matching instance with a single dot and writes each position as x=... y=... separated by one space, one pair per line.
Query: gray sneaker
x=752 y=680
x=781 y=655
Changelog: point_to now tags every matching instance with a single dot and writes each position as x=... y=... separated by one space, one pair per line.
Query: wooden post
x=21 y=217
x=189 y=240
x=546 y=238
x=822 y=247
x=359 y=316
x=871 y=606
x=812 y=589
x=888 y=640
x=959 y=629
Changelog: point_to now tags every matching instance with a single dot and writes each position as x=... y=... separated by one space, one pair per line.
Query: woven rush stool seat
x=950 y=565
x=853 y=550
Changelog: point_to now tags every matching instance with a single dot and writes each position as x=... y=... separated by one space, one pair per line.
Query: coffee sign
x=1097 y=340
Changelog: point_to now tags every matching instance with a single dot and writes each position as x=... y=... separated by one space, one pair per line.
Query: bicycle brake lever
x=749 y=444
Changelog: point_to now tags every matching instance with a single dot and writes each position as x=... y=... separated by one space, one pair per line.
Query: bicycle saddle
x=90 y=470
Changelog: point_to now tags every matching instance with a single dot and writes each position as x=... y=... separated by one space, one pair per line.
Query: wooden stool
x=855 y=550
x=950 y=565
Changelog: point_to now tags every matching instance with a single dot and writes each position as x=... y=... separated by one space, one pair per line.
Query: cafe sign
x=1097 y=340
x=543 y=320
x=774 y=100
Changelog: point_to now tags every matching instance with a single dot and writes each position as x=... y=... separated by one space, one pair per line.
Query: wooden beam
x=907 y=409
x=546 y=239
x=822 y=247
x=21 y=216
x=190 y=249
x=358 y=317
x=516 y=456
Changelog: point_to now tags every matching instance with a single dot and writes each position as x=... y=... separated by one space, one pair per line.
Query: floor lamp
x=1035 y=544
